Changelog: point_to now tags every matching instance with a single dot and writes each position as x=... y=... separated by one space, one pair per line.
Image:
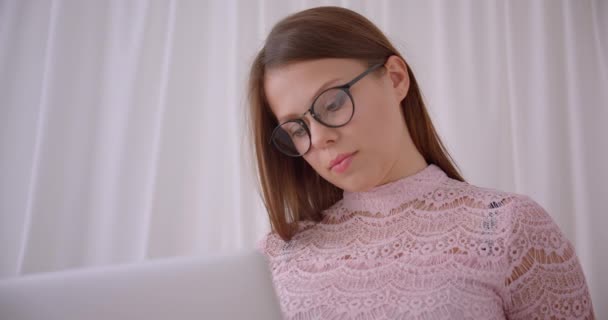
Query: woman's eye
x=336 y=104
x=299 y=133
x=332 y=107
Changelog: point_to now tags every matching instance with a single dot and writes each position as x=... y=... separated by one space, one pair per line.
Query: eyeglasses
x=334 y=107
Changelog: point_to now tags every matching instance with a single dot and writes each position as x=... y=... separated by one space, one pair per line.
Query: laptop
x=237 y=286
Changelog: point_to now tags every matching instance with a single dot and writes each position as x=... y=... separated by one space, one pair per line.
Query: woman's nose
x=321 y=136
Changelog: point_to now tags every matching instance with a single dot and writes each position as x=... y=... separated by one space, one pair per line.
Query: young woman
x=370 y=217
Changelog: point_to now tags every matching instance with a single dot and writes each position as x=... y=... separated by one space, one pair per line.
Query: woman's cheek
x=315 y=163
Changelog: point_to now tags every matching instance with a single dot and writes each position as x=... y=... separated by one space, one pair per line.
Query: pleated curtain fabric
x=123 y=129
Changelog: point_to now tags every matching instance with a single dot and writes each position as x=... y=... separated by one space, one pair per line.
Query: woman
x=370 y=217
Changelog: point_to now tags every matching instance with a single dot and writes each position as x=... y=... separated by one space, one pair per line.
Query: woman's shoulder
x=452 y=188
x=265 y=243
x=494 y=206
x=458 y=195
x=273 y=245
x=484 y=197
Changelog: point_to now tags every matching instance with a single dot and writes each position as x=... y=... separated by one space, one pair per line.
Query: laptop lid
x=238 y=286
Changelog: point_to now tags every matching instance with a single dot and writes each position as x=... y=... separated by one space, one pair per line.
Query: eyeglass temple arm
x=374 y=67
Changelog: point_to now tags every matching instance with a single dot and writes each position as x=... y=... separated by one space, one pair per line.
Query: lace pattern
x=429 y=247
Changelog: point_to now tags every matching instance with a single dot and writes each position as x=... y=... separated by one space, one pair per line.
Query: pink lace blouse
x=429 y=247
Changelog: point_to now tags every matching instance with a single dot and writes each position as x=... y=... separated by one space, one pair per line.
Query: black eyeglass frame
x=346 y=88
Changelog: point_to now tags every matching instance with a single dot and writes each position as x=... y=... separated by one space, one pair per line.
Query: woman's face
x=375 y=136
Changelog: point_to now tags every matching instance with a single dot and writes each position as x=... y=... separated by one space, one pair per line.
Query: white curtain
x=121 y=122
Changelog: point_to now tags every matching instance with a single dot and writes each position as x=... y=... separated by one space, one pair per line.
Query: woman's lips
x=343 y=164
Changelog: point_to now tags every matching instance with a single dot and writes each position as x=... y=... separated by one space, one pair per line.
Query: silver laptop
x=222 y=287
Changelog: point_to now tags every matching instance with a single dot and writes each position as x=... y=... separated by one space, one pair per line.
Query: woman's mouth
x=342 y=162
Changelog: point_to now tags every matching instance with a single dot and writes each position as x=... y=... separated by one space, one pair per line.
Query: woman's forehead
x=290 y=89
x=312 y=69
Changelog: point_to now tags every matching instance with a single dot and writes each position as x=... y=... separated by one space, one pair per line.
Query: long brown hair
x=291 y=190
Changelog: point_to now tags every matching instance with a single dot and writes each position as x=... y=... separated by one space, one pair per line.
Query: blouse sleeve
x=544 y=278
x=261 y=245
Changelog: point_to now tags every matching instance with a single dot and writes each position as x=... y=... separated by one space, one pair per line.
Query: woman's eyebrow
x=327 y=84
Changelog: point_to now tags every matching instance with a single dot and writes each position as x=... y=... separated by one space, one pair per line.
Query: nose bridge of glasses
x=308 y=117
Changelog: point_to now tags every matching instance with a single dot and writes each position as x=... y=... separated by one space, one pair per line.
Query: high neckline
x=404 y=188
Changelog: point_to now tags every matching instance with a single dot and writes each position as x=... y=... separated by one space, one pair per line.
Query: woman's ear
x=398 y=75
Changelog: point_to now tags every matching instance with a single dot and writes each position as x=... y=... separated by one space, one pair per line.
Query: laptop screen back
x=226 y=287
